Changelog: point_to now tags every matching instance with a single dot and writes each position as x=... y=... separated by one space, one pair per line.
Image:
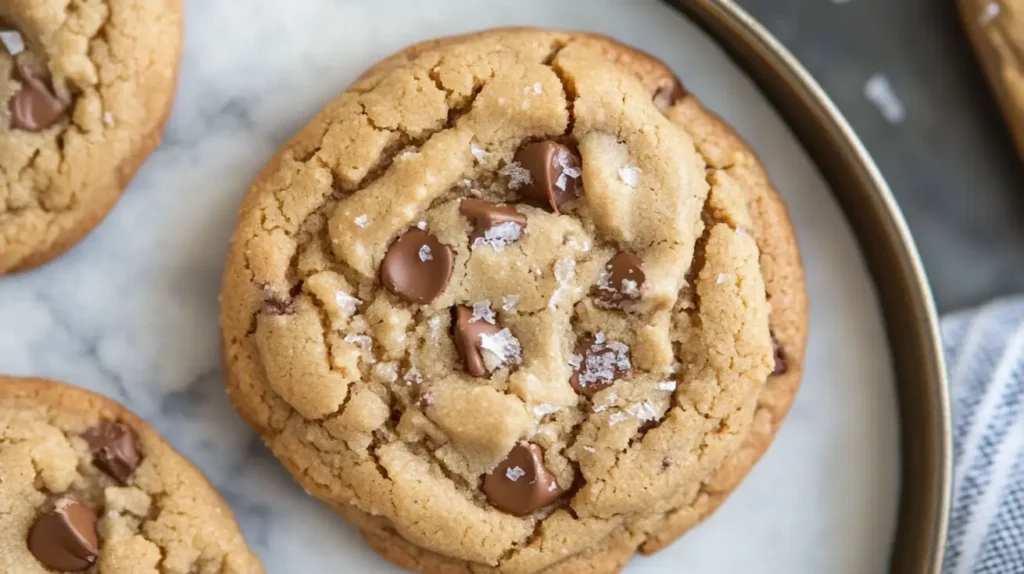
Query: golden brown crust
x=996 y=29
x=32 y=238
x=188 y=522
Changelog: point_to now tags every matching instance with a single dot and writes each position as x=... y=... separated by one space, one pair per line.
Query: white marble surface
x=132 y=312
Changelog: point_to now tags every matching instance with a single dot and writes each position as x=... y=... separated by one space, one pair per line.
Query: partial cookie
x=87 y=486
x=85 y=102
x=502 y=313
x=996 y=28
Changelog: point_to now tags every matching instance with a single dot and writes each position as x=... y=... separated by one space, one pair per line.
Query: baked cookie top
x=85 y=98
x=85 y=486
x=489 y=296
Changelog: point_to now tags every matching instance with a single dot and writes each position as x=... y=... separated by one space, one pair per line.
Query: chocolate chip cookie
x=86 y=88
x=515 y=302
x=86 y=486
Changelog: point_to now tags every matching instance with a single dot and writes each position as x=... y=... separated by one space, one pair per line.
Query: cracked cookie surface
x=83 y=105
x=86 y=486
x=488 y=360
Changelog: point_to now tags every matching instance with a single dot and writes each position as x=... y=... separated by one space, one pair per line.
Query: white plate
x=132 y=313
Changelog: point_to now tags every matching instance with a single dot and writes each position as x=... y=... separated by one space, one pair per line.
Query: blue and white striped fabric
x=985 y=353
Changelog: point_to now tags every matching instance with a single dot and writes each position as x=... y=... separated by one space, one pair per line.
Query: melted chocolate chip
x=114 y=449
x=65 y=539
x=555 y=173
x=34 y=107
x=521 y=484
x=467 y=333
x=493 y=224
x=620 y=282
x=417 y=267
x=598 y=363
x=780 y=358
x=667 y=94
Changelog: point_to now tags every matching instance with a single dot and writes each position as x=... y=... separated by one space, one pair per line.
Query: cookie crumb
x=413 y=376
x=387 y=371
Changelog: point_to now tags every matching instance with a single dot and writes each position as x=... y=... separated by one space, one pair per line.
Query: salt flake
x=508 y=302
x=720 y=279
x=482 y=312
x=346 y=303
x=879 y=91
x=425 y=253
x=500 y=235
x=387 y=371
x=538 y=88
x=413 y=376
x=518 y=175
x=478 y=152
x=630 y=175
x=644 y=411
x=421 y=225
x=667 y=386
x=515 y=473
x=545 y=409
x=616 y=418
x=362 y=341
x=990 y=13
x=502 y=345
x=362 y=220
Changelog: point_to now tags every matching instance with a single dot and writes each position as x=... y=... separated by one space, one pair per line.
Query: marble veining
x=132 y=312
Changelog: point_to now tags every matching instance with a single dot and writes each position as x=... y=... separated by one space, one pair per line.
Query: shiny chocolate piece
x=555 y=174
x=34 y=107
x=521 y=484
x=620 y=282
x=114 y=448
x=493 y=224
x=667 y=94
x=65 y=539
x=597 y=363
x=467 y=332
x=417 y=267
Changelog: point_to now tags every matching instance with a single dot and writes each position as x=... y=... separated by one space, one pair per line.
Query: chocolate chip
x=597 y=363
x=114 y=449
x=521 y=484
x=780 y=358
x=668 y=93
x=65 y=539
x=493 y=224
x=620 y=281
x=467 y=334
x=665 y=464
x=34 y=107
x=555 y=174
x=417 y=267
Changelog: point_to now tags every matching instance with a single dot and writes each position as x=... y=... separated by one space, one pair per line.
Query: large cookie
x=82 y=106
x=86 y=485
x=501 y=311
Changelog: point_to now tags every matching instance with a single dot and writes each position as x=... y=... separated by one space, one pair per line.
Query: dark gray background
x=950 y=163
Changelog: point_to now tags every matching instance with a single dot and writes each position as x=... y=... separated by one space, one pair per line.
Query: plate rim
x=898 y=274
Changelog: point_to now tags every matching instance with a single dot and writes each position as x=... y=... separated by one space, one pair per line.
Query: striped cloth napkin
x=985 y=353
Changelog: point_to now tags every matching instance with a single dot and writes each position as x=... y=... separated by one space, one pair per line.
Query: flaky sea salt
x=518 y=175
x=482 y=312
x=515 y=473
x=502 y=345
x=362 y=220
x=575 y=361
x=579 y=244
x=616 y=418
x=720 y=278
x=478 y=152
x=553 y=486
x=879 y=91
x=500 y=235
x=108 y=119
x=13 y=41
x=413 y=376
x=603 y=361
x=565 y=271
x=630 y=288
x=644 y=411
x=589 y=449
x=346 y=303
x=434 y=323
x=538 y=88
x=545 y=409
x=508 y=302
x=630 y=175
x=667 y=386
x=387 y=371
x=362 y=341
x=421 y=225
x=425 y=253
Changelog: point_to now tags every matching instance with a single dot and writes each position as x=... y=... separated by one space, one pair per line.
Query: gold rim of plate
x=897 y=271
